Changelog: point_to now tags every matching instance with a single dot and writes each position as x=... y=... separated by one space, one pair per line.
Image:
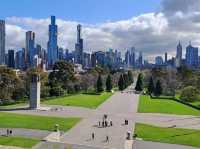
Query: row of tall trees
x=152 y=89
x=100 y=86
x=125 y=80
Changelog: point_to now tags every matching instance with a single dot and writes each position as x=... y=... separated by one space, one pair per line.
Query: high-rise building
x=30 y=50
x=61 y=55
x=179 y=55
x=79 y=47
x=127 y=59
x=132 y=56
x=39 y=50
x=98 y=58
x=166 y=58
x=191 y=56
x=19 y=59
x=86 y=60
x=159 y=60
x=11 y=58
x=2 y=42
x=140 y=60
x=52 y=43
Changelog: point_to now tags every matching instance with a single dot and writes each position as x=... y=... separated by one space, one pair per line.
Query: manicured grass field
x=9 y=120
x=14 y=106
x=148 y=105
x=168 y=135
x=18 y=141
x=81 y=100
x=197 y=103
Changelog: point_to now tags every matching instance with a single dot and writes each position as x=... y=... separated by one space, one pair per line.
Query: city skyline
x=152 y=32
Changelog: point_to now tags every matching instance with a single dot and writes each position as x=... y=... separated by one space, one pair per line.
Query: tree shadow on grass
x=180 y=135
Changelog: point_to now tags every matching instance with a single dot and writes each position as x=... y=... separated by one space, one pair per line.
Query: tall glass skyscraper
x=79 y=47
x=179 y=55
x=30 y=48
x=2 y=42
x=52 y=43
x=191 y=56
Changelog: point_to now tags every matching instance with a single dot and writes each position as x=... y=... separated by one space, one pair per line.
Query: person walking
x=92 y=136
x=111 y=124
x=8 y=132
x=11 y=132
x=107 y=139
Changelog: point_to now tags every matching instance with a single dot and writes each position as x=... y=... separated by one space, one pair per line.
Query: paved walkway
x=156 y=145
x=9 y=147
x=29 y=133
x=167 y=120
x=57 y=111
x=119 y=107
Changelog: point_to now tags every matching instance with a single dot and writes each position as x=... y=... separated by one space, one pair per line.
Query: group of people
x=105 y=122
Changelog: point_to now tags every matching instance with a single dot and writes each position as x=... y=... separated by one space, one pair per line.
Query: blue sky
x=87 y=11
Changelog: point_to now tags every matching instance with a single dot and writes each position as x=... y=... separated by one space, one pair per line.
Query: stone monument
x=35 y=92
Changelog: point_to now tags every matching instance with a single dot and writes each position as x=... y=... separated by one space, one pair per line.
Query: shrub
x=190 y=94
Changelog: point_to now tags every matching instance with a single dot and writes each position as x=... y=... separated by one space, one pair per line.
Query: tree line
x=61 y=80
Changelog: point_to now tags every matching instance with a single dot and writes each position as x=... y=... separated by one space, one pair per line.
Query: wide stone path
x=119 y=107
x=29 y=133
x=157 y=145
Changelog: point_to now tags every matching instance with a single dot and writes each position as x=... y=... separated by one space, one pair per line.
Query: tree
x=121 y=83
x=151 y=87
x=9 y=84
x=139 y=83
x=190 y=94
x=99 y=84
x=126 y=80
x=130 y=77
x=158 y=89
x=109 y=83
x=62 y=74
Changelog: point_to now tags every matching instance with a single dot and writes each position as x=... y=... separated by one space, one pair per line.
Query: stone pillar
x=35 y=92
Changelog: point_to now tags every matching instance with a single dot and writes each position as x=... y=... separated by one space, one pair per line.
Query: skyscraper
x=11 y=58
x=140 y=59
x=79 y=47
x=52 y=43
x=132 y=56
x=2 y=42
x=179 y=55
x=191 y=56
x=159 y=60
x=166 y=57
x=30 y=48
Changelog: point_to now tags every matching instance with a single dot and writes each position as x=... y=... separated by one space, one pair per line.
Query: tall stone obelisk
x=35 y=92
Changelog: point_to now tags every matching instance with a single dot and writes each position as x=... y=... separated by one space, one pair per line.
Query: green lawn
x=148 y=105
x=13 y=106
x=197 y=103
x=81 y=100
x=168 y=135
x=10 y=120
x=18 y=141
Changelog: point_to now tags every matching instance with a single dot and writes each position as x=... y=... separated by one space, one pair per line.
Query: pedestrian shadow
x=88 y=140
